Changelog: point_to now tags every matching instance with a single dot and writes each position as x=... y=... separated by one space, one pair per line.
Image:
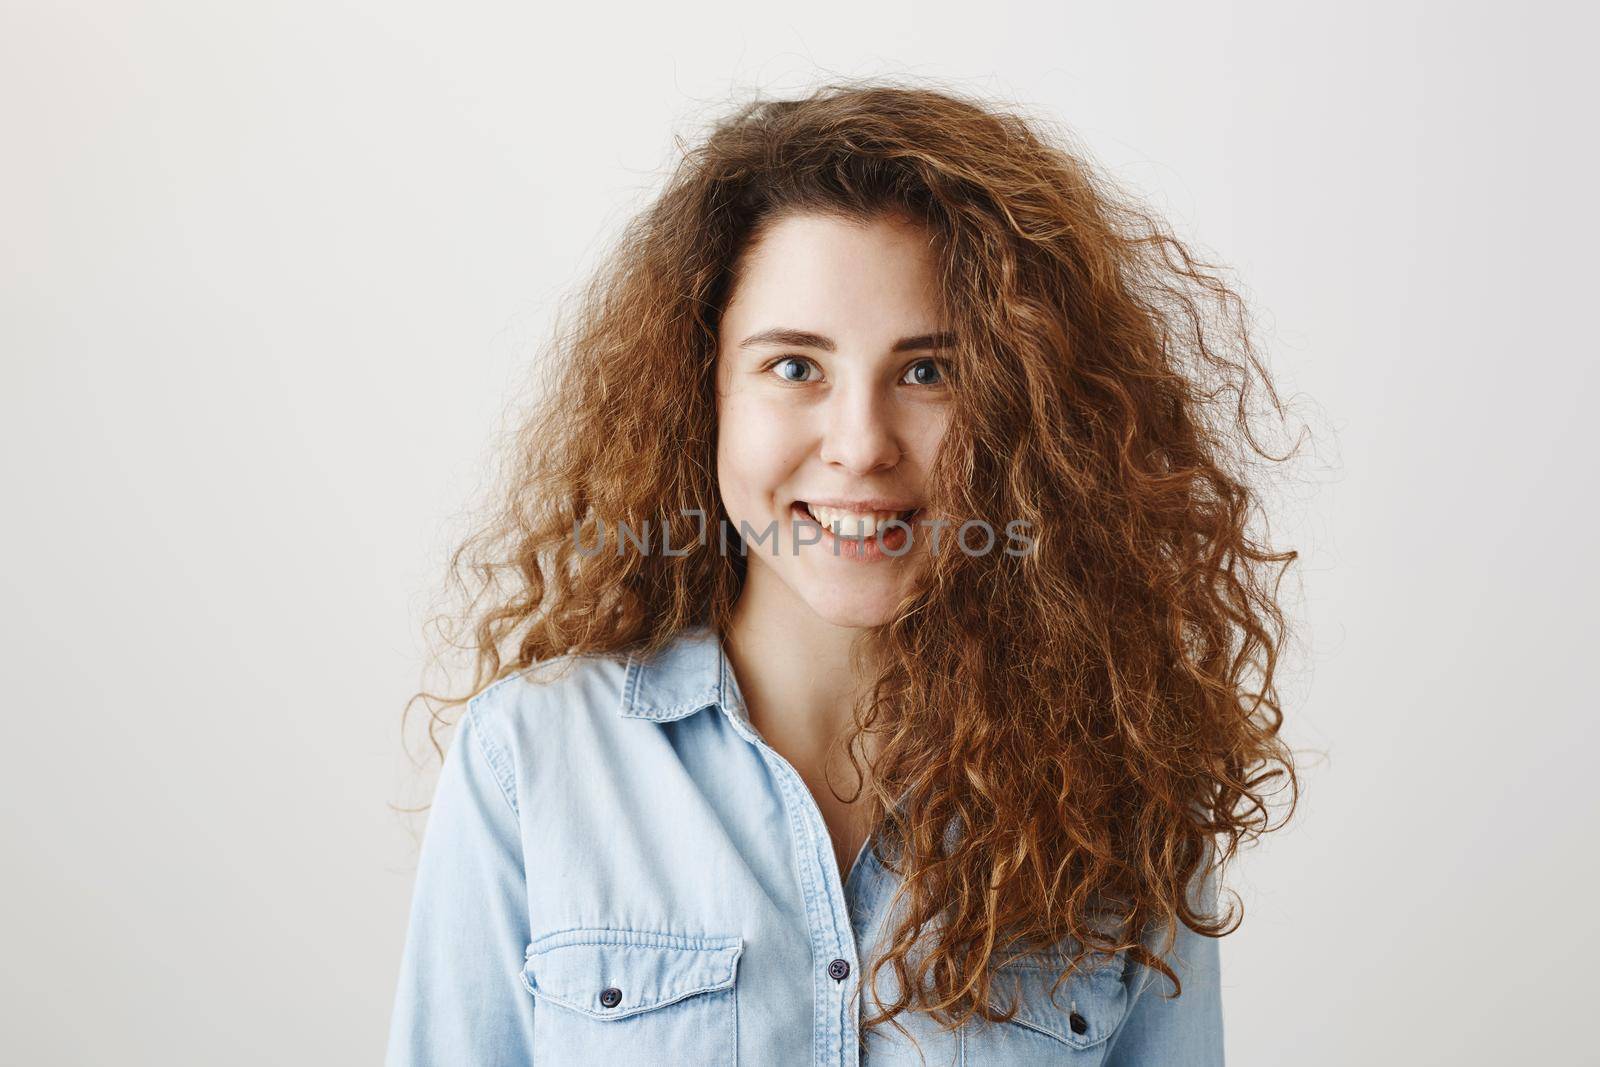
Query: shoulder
x=552 y=696
x=544 y=708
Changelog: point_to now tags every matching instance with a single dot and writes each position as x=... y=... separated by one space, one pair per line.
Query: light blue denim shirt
x=619 y=870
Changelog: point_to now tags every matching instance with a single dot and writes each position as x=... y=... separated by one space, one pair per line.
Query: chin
x=853 y=612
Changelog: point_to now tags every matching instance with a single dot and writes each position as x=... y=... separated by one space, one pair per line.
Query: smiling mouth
x=805 y=509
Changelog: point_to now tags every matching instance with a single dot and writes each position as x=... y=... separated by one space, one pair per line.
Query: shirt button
x=611 y=996
x=1079 y=1024
x=838 y=969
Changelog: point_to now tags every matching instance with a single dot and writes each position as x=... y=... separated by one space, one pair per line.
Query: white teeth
x=860 y=524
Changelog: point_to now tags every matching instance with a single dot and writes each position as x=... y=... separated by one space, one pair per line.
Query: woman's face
x=831 y=403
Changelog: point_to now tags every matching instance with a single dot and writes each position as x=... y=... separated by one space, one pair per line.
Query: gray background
x=272 y=274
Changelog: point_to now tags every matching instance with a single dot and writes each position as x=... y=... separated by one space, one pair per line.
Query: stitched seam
x=495 y=756
x=636 y=939
x=642 y=1008
x=1085 y=983
x=733 y=1026
x=809 y=893
x=630 y=686
x=624 y=938
x=671 y=948
x=688 y=707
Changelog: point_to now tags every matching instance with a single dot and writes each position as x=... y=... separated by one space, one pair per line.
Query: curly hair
x=1099 y=715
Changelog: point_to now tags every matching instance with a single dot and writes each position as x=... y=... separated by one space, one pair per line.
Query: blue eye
x=925 y=372
x=791 y=361
x=924 y=379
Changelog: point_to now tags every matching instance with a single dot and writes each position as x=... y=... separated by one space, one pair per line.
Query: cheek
x=759 y=446
x=929 y=436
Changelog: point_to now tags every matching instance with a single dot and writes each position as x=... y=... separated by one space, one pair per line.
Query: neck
x=794 y=668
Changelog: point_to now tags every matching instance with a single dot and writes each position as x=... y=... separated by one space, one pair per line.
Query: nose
x=858 y=433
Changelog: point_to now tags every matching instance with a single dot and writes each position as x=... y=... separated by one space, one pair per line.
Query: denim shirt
x=619 y=870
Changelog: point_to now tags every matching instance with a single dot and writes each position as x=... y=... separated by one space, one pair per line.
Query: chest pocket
x=1084 y=1012
x=1073 y=1028
x=636 y=996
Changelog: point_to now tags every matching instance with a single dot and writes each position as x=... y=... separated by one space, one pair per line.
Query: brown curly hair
x=1098 y=716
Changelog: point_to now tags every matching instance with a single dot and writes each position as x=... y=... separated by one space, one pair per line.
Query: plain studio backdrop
x=274 y=273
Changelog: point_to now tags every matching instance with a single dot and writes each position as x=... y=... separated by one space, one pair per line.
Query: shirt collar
x=689 y=674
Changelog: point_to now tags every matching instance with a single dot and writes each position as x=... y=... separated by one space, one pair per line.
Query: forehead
x=822 y=272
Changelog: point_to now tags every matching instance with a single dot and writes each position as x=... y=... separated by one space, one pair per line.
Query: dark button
x=838 y=969
x=1079 y=1024
x=611 y=996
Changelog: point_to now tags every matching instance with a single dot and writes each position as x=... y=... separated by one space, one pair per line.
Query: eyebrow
x=806 y=339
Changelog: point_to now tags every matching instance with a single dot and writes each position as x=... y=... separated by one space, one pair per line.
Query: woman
x=888 y=447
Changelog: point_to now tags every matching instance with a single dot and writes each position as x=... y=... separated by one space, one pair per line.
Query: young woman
x=873 y=665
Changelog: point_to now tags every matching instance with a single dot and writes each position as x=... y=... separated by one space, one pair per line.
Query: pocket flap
x=611 y=974
x=1087 y=1008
